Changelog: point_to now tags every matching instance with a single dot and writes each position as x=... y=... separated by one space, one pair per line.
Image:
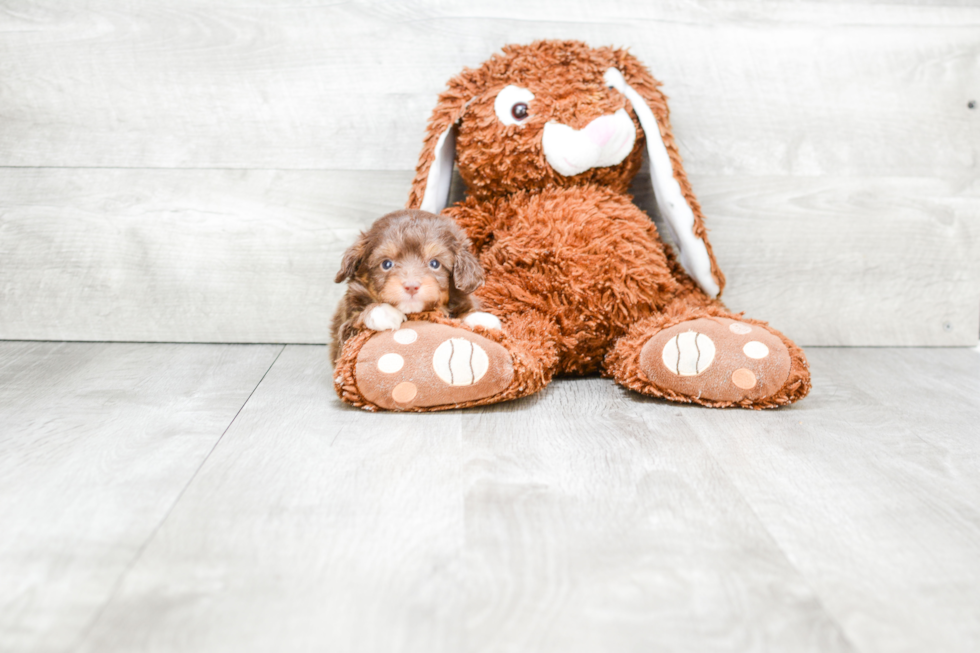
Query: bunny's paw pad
x=717 y=359
x=427 y=365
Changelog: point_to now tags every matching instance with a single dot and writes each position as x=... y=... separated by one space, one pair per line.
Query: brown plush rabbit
x=547 y=137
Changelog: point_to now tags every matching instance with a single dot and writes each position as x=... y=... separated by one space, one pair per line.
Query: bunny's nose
x=601 y=129
x=411 y=287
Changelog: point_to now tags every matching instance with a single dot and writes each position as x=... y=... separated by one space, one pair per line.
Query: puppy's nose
x=411 y=287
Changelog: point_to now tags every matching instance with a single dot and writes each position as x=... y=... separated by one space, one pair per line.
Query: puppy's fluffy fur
x=408 y=261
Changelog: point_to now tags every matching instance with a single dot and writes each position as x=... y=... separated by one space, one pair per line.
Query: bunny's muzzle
x=604 y=142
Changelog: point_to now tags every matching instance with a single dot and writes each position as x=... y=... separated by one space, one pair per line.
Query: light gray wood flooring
x=160 y=497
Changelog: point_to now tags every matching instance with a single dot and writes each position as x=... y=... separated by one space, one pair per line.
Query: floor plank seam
x=8 y=362
x=139 y=553
x=803 y=577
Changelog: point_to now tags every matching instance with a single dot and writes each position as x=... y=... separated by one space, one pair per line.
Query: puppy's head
x=412 y=260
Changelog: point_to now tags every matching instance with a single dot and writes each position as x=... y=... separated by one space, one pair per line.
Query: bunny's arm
x=476 y=218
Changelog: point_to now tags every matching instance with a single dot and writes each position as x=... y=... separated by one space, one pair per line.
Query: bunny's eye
x=386 y=264
x=511 y=105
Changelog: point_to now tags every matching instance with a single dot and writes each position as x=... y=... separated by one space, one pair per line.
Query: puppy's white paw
x=479 y=318
x=383 y=318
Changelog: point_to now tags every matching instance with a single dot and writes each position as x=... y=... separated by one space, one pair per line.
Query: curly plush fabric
x=576 y=272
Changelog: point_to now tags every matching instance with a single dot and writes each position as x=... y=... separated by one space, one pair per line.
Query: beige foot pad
x=423 y=365
x=716 y=359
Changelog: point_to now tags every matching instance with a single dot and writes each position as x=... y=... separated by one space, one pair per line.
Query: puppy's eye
x=511 y=105
x=434 y=264
x=387 y=264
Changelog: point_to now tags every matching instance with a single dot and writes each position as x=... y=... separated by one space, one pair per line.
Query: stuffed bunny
x=547 y=138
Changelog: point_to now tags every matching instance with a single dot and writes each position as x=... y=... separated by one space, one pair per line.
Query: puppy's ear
x=467 y=272
x=434 y=172
x=351 y=260
x=675 y=199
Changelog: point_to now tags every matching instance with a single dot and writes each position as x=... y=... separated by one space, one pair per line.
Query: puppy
x=408 y=261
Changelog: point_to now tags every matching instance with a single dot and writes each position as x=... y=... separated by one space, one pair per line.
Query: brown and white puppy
x=409 y=261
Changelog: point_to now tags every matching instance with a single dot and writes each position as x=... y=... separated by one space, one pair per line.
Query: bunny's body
x=548 y=138
x=593 y=268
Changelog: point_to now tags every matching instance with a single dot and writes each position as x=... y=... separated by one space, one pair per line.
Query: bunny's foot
x=427 y=365
x=714 y=361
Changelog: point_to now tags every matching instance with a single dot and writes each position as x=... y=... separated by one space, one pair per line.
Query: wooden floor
x=219 y=498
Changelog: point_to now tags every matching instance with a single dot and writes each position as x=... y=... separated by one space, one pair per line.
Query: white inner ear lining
x=678 y=215
x=440 y=176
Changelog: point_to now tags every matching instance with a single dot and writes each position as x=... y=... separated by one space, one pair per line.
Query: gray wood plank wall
x=190 y=171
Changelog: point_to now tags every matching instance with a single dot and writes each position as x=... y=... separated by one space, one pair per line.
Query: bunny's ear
x=440 y=175
x=675 y=199
x=434 y=172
